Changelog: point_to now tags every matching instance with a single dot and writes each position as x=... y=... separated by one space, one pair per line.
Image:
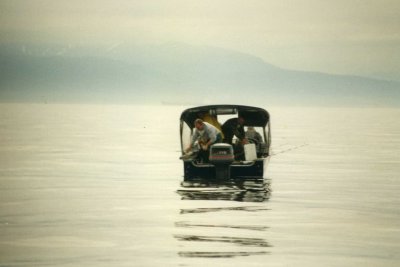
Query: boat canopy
x=253 y=116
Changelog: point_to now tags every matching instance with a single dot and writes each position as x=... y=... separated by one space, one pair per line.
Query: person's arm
x=212 y=134
x=195 y=136
x=238 y=131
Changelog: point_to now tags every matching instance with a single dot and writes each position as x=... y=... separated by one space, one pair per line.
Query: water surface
x=84 y=185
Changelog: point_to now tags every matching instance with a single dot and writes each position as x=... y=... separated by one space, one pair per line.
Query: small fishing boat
x=236 y=159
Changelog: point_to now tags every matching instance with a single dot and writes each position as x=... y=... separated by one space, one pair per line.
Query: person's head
x=240 y=120
x=199 y=124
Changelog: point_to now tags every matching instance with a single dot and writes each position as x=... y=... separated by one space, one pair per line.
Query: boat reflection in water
x=229 y=232
x=248 y=189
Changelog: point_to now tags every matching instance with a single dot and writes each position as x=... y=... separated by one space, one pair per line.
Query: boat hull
x=237 y=170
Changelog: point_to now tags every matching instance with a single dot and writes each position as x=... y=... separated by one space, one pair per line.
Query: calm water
x=100 y=186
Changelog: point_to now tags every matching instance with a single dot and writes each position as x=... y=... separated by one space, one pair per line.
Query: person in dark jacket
x=233 y=127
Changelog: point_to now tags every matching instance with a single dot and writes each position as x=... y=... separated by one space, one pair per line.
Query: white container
x=250 y=152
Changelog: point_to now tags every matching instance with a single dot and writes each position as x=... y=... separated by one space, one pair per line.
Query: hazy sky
x=338 y=36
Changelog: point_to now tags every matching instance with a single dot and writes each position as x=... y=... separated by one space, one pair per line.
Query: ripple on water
x=199 y=237
x=243 y=190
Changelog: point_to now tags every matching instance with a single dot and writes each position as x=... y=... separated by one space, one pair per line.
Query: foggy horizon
x=341 y=37
x=303 y=53
x=174 y=73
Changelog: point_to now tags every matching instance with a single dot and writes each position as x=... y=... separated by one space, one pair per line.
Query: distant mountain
x=173 y=73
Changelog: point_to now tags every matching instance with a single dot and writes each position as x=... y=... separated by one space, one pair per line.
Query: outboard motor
x=221 y=156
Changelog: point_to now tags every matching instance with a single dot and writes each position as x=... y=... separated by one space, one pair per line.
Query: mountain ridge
x=174 y=73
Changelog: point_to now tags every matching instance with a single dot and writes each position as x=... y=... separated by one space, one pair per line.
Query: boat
x=236 y=160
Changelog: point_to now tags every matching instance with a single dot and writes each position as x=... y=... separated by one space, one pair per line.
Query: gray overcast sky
x=339 y=36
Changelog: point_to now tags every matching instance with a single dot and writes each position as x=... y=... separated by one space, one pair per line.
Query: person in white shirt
x=206 y=135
